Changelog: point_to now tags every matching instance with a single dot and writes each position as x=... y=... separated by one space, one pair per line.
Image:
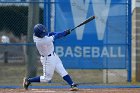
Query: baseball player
x=49 y=59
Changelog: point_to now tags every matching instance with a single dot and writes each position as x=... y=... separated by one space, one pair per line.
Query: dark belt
x=49 y=54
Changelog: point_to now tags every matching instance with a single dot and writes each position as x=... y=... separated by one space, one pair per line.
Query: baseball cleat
x=74 y=87
x=26 y=83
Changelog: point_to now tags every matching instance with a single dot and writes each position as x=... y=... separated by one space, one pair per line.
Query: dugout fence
x=96 y=53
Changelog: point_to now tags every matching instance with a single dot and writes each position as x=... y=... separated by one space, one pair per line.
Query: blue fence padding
x=92 y=46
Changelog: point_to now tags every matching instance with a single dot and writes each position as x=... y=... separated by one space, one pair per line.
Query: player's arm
x=51 y=33
x=61 y=34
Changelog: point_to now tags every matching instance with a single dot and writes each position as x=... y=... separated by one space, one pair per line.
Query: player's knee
x=44 y=79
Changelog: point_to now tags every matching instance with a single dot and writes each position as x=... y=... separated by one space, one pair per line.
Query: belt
x=49 y=54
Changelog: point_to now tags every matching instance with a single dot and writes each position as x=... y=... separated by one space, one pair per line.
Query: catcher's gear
x=40 y=30
x=26 y=83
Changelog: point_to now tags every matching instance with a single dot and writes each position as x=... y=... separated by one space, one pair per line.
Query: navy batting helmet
x=40 y=30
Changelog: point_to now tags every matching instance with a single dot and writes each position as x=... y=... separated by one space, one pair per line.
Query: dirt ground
x=112 y=90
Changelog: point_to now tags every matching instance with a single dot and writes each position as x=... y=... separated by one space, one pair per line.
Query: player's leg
x=48 y=71
x=63 y=73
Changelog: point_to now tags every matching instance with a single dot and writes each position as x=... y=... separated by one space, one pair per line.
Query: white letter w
x=80 y=9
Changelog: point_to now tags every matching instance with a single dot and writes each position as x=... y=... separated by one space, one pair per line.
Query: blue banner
x=101 y=43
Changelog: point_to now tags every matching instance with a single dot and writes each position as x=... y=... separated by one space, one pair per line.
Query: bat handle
x=73 y=29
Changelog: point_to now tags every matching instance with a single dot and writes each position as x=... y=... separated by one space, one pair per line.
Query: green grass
x=12 y=74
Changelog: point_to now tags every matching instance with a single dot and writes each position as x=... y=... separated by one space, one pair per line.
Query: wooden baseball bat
x=86 y=21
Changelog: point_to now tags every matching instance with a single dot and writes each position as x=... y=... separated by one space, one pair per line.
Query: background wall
x=100 y=49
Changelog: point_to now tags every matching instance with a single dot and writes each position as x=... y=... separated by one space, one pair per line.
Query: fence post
x=47 y=14
x=129 y=40
x=33 y=18
x=6 y=56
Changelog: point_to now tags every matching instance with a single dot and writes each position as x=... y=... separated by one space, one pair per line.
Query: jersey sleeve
x=51 y=33
x=60 y=35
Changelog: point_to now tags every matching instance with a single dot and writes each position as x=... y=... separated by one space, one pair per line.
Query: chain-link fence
x=18 y=18
x=15 y=21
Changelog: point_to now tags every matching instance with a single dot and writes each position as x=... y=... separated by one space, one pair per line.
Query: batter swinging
x=49 y=59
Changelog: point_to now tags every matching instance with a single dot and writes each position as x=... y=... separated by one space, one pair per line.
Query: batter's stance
x=49 y=59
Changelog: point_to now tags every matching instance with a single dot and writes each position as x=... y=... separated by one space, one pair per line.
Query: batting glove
x=68 y=31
